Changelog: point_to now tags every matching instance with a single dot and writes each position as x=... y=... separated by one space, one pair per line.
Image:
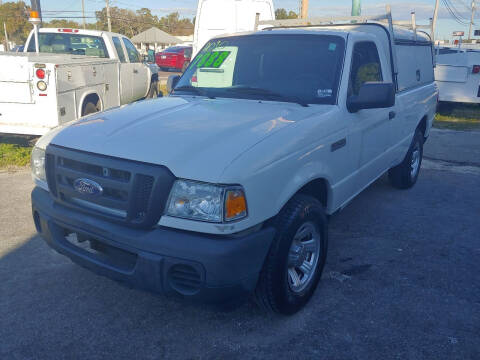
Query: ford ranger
x=224 y=188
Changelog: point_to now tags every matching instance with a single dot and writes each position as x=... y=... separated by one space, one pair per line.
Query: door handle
x=391 y=115
x=135 y=71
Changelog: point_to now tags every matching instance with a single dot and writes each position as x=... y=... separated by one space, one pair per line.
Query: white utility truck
x=76 y=73
x=223 y=188
x=216 y=17
x=458 y=74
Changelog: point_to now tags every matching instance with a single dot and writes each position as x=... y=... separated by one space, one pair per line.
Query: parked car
x=235 y=16
x=17 y=48
x=76 y=73
x=458 y=75
x=174 y=58
x=222 y=190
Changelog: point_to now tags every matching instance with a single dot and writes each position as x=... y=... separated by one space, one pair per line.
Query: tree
x=14 y=14
x=281 y=14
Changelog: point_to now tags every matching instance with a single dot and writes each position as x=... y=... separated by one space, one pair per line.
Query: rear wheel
x=90 y=108
x=296 y=258
x=405 y=175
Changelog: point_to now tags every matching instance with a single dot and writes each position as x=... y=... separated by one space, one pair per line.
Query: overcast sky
x=187 y=8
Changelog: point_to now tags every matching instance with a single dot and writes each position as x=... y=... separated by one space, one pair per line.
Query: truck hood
x=195 y=138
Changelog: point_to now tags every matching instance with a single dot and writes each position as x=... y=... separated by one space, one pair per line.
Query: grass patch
x=163 y=89
x=13 y=155
x=458 y=117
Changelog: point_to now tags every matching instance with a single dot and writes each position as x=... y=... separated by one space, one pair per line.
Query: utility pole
x=108 y=16
x=434 y=20
x=83 y=14
x=356 y=8
x=7 y=47
x=304 y=9
x=471 y=21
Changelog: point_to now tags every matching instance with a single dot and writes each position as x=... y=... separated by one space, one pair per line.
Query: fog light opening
x=36 y=220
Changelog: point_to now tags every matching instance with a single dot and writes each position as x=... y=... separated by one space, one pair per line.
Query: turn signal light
x=40 y=73
x=476 y=69
x=235 y=205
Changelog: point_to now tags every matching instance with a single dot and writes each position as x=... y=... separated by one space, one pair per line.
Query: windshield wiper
x=194 y=89
x=260 y=91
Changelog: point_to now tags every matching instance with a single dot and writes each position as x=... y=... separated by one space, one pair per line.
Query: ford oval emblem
x=87 y=187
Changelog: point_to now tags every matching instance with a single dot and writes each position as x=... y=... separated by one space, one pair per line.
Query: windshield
x=295 y=68
x=62 y=43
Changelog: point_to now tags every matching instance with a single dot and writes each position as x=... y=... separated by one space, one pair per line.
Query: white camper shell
x=216 y=17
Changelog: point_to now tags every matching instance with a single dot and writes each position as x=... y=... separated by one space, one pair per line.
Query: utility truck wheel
x=296 y=258
x=90 y=108
x=405 y=175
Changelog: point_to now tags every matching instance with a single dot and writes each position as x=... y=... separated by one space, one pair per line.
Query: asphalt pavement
x=402 y=281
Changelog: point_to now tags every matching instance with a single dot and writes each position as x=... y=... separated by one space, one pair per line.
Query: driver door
x=372 y=126
x=140 y=73
x=126 y=74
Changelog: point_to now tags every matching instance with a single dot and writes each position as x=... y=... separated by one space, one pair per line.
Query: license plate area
x=111 y=256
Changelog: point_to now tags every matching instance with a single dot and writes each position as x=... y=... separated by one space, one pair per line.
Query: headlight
x=206 y=202
x=37 y=163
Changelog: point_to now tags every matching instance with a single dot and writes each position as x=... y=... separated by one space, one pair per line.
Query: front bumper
x=206 y=268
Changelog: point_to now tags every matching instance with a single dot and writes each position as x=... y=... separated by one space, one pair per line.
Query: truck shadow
x=51 y=307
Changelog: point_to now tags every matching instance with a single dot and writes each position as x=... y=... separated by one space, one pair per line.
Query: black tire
x=274 y=291
x=153 y=91
x=90 y=108
x=403 y=175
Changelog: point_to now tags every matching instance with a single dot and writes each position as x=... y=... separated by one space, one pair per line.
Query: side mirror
x=172 y=82
x=372 y=95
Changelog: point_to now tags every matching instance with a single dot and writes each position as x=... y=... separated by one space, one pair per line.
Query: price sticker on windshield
x=213 y=59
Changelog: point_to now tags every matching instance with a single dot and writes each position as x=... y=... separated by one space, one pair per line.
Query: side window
x=118 y=47
x=366 y=66
x=132 y=52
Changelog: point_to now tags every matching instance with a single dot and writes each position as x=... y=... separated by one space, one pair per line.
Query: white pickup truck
x=223 y=188
x=76 y=73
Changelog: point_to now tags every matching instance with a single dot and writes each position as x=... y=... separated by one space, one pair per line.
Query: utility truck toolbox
x=222 y=190
x=76 y=73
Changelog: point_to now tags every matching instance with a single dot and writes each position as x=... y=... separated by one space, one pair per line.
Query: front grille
x=132 y=193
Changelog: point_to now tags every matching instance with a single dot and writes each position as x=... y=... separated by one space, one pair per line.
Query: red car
x=174 y=58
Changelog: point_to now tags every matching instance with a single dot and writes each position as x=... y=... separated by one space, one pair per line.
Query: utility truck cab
x=222 y=189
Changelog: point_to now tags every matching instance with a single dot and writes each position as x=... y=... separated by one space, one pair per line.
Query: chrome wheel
x=303 y=257
x=415 y=162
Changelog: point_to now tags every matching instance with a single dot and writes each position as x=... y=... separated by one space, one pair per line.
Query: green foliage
x=14 y=155
x=14 y=14
x=281 y=14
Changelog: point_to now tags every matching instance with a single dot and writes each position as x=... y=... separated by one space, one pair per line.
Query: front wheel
x=296 y=258
x=153 y=91
x=405 y=175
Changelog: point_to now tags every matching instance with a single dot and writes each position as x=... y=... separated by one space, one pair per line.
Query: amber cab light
x=40 y=73
x=235 y=205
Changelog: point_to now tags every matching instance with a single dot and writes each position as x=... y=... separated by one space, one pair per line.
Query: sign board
x=458 y=33
x=477 y=33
